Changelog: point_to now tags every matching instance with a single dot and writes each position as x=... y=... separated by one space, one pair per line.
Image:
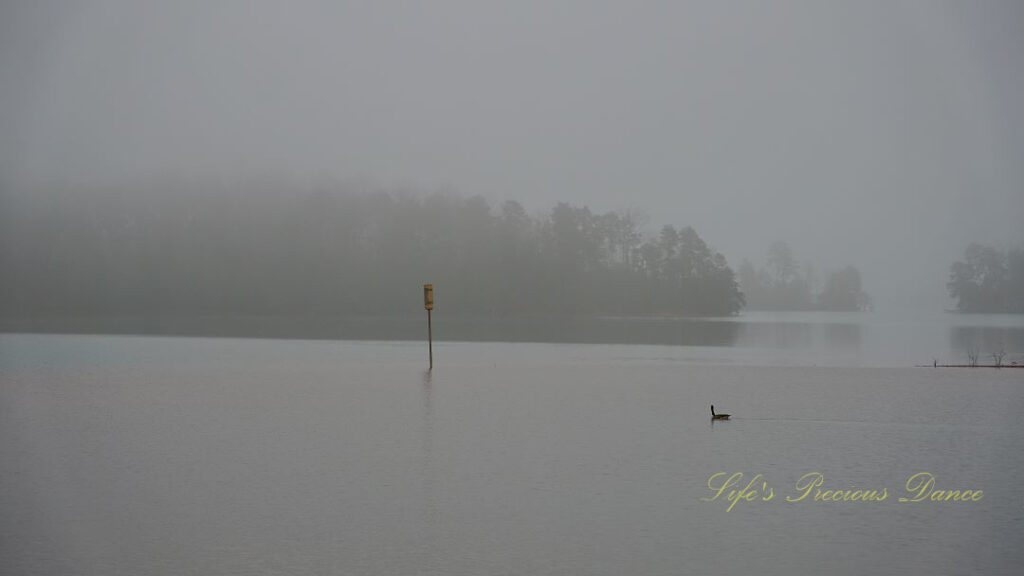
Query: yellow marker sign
x=428 y=296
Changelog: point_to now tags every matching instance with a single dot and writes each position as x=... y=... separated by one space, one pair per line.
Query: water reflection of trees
x=843 y=336
x=590 y=330
x=776 y=335
x=986 y=340
x=800 y=335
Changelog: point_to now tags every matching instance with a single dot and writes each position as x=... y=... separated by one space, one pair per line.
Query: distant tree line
x=783 y=284
x=988 y=280
x=194 y=251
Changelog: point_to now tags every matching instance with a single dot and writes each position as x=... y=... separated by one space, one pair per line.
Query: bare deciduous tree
x=972 y=356
x=997 y=357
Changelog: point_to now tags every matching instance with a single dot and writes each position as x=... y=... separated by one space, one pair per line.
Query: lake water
x=801 y=338
x=156 y=455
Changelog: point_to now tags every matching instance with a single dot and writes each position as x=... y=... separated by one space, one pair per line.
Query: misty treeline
x=988 y=280
x=784 y=284
x=282 y=252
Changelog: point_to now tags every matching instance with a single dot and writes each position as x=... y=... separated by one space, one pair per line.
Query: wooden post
x=428 y=303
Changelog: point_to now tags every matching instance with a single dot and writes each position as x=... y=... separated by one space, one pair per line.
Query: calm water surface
x=897 y=338
x=150 y=455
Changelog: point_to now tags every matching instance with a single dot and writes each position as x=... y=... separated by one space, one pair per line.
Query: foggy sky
x=886 y=135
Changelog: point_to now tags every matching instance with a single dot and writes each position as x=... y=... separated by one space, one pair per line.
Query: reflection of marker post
x=428 y=303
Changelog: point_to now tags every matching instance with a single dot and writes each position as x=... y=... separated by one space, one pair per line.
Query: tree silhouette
x=988 y=280
x=265 y=251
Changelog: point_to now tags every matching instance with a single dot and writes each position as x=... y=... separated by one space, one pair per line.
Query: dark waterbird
x=718 y=416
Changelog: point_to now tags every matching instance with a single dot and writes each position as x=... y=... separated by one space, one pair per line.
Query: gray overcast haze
x=886 y=135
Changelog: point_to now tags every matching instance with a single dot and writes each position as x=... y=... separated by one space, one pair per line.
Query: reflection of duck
x=718 y=416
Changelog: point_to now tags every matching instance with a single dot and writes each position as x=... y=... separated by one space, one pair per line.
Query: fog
x=882 y=135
